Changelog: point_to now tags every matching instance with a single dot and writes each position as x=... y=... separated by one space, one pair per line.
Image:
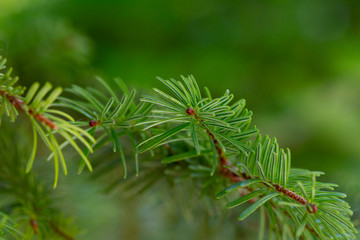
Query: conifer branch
x=45 y=120
x=261 y=158
x=226 y=172
x=229 y=171
x=19 y=105
x=211 y=135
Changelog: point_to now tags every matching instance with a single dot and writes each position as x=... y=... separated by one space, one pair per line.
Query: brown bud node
x=93 y=123
x=190 y=111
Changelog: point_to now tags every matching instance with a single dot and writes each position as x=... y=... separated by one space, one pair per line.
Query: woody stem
x=19 y=105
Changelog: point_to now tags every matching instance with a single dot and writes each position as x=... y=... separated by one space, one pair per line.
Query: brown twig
x=19 y=105
x=34 y=225
x=59 y=232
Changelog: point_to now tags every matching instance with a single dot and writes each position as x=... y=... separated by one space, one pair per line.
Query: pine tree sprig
x=224 y=125
x=208 y=138
x=46 y=121
x=110 y=114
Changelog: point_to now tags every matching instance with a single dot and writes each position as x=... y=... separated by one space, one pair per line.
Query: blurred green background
x=297 y=63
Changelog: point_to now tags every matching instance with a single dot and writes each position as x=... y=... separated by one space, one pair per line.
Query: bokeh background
x=297 y=63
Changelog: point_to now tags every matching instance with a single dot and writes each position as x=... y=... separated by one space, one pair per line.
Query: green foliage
x=36 y=104
x=209 y=139
x=46 y=121
x=25 y=197
x=8 y=228
x=7 y=86
x=227 y=123
x=110 y=117
x=268 y=166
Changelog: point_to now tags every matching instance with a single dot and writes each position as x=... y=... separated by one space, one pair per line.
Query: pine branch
x=45 y=120
x=111 y=117
x=213 y=139
x=259 y=158
x=220 y=132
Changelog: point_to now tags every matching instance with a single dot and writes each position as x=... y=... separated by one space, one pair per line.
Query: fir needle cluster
x=200 y=131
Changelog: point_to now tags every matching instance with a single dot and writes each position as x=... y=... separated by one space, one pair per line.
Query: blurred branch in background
x=23 y=195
